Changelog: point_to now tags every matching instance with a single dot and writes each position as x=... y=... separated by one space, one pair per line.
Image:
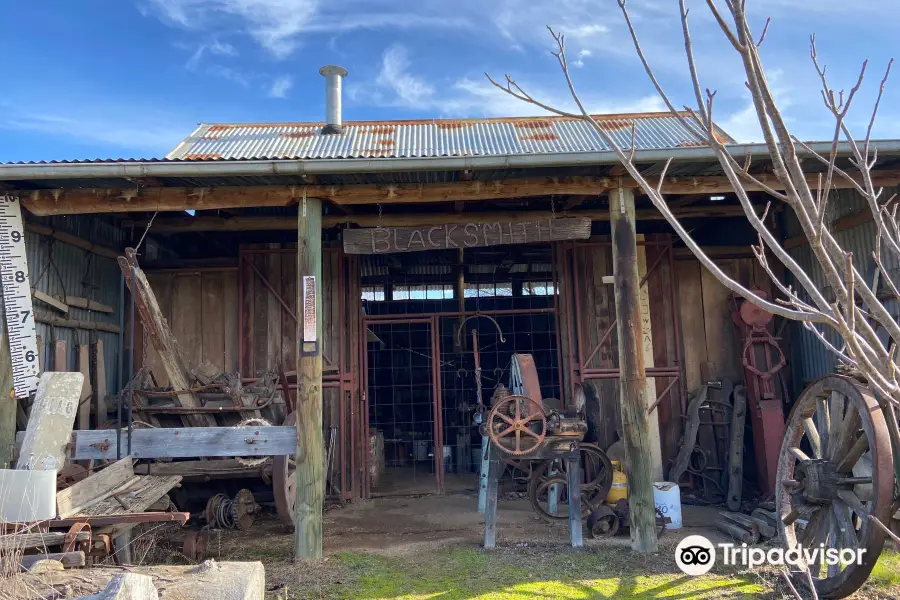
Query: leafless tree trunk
x=856 y=311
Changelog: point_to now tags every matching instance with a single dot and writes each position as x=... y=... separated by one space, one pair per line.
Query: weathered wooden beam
x=87 y=304
x=50 y=422
x=98 y=200
x=50 y=301
x=99 y=382
x=83 y=364
x=208 y=223
x=188 y=442
x=69 y=560
x=310 y=444
x=384 y=240
x=72 y=240
x=49 y=319
x=161 y=337
x=632 y=381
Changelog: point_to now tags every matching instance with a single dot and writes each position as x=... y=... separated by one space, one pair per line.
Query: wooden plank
x=161 y=336
x=134 y=199
x=49 y=319
x=187 y=324
x=212 y=319
x=635 y=428
x=721 y=343
x=383 y=240
x=22 y=541
x=563 y=318
x=100 y=408
x=230 y=320
x=188 y=442
x=412 y=219
x=310 y=446
x=693 y=327
x=84 y=403
x=260 y=339
x=60 y=356
x=86 y=304
x=98 y=484
x=137 y=497
x=274 y=309
x=161 y=283
x=50 y=422
x=51 y=301
x=288 y=325
x=655 y=446
x=72 y=240
x=70 y=560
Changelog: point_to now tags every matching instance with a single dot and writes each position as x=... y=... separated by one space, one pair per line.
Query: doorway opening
x=429 y=316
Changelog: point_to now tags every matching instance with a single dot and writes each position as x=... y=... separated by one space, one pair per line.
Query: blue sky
x=132 y=78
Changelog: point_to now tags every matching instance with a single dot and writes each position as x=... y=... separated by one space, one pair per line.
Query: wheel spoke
x=845 y=436
x=812 y=434
x=833 y=541
x=518 y=409
x=506 y=419
x=860 y=446
x=845 y=525
x=813 y=524
x=505 y=431
x=530 y=418
x=850 y=498
x=531 y=433
x=823 y=424
x=518 y=439
x=799 y=454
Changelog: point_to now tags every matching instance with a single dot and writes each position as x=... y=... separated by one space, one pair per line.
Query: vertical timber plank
x=100 y=407
x=161 y=283
x=212 y=316
x=273 y=308
x=635 y=428
x=60 y=356
x=289 y=325
x=721 y=346
x=186 y=327
x=655 y=449
x=84 y=403
x=693 y=327
x=563 y=327
x=310 y=471
x=230 y=320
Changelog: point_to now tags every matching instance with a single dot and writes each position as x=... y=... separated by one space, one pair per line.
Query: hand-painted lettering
x=471 y=231
x=416 y=238
x=448 y=239
x=431 y=241
x=381 y=240
x=492 y=228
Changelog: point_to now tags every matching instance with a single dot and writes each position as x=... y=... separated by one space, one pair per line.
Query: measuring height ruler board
x=17 y=298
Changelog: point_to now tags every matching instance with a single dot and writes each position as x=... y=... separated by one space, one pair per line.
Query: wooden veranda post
x=632 y=382
x=8 y=402
x=310 y=457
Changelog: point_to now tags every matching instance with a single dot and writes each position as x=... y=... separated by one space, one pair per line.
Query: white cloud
x=397 y=85
x=281 y=86
x=229 y=74
x=409 y=90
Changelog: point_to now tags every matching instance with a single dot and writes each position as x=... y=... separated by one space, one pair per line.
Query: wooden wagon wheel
x=520 y=419
x=596 y=480
x=836 y=469
x=284 y=481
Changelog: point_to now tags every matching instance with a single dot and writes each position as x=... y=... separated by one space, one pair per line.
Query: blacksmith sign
x=387 y=240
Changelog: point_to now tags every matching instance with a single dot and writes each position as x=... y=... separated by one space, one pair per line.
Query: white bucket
x=667 y=498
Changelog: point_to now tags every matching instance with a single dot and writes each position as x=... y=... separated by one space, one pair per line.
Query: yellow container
x=619 y=487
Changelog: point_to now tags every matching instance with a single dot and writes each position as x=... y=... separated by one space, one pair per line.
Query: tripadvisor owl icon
x=695 y=555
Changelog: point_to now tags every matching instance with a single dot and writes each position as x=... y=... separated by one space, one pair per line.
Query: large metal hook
x=459 y=328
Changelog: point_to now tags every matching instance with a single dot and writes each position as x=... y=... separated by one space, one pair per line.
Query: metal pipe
x=217 y=168
x=512 y=311
x=333 y=75
x=131 y=361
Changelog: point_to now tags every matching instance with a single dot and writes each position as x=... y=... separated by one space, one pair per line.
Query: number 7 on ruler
x=17 y=298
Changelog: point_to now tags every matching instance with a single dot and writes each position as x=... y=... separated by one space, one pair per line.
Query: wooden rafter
x=100 y=200
x=204 y=223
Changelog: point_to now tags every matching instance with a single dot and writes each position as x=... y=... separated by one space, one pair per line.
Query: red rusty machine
x=762 y=358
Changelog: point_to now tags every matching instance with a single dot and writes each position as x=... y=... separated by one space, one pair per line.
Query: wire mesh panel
x=401 y=406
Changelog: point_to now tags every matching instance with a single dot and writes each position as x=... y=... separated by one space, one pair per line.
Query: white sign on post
x=17 y=298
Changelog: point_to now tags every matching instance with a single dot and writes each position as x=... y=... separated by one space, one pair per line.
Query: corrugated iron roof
x=432 y=138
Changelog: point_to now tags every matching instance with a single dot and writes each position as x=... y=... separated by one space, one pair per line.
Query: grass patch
x=886 y=573
x=513 y=574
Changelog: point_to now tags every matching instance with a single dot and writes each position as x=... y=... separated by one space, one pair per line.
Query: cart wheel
x=836 y=469
x=603 y=522
x=284 y=481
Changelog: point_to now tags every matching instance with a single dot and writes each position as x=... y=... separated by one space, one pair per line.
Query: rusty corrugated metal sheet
x=435 y=138
x=59 y=269
x=812 y=359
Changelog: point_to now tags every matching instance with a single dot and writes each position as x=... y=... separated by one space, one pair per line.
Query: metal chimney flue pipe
x=333 y=76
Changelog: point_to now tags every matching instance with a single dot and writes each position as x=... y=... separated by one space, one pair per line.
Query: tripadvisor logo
x=696 y=555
